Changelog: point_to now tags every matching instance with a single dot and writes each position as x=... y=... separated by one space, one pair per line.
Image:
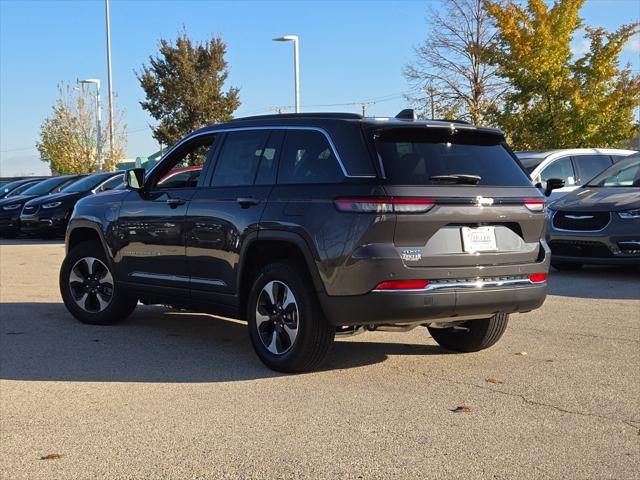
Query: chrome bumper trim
x=477 y=285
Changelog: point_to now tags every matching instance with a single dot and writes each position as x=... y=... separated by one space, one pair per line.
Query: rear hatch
x=480 y=205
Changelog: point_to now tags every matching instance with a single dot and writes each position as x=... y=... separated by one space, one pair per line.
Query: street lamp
x=296 y=66
x=96 y=82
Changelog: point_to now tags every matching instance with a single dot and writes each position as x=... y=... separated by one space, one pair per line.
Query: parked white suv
x=576 y=166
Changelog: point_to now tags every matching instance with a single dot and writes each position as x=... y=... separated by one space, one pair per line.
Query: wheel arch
x=264 y=247
x=80 y=231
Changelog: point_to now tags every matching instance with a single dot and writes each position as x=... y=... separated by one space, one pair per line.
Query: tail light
x=538 y=277
x=534 y=204
x=384 y=205
x=402 y=285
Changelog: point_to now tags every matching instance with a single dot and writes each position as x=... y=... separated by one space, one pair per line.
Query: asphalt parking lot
x=171 y=394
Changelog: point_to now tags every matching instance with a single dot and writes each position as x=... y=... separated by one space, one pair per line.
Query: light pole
x=96 y=82
x=296 y=65
x=110 y=92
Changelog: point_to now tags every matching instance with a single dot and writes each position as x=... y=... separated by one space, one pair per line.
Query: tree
x=556 y=100
x=183 y=87
x=68 y=138
x=452 y=74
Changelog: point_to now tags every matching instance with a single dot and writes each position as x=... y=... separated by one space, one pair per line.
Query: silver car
x=599 y=223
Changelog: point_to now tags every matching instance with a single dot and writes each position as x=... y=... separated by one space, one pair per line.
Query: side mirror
x=553 y=184
x=134 y=178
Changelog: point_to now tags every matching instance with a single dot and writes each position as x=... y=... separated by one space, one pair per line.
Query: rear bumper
x=424 y=306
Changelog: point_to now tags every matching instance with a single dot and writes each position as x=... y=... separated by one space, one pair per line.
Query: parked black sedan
x=11 y=207
x=598 y=223
x=48 y=216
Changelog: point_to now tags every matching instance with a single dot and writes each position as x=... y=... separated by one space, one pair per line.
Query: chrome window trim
x=265 y=127
x=467 y=285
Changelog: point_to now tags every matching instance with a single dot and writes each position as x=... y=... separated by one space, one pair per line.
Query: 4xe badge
x=411 y=255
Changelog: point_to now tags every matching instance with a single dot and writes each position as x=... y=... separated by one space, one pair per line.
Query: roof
x=331 y=118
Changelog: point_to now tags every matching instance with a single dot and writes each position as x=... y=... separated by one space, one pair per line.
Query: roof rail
x=452 y=120
x=346 y=116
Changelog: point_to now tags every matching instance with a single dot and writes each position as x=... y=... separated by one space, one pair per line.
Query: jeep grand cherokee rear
x=308 y=225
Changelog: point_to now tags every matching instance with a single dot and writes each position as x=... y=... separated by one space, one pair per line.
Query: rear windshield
x=417 y=157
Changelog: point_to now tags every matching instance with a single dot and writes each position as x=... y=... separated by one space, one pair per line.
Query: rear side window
x=416 y=157
x=591 y=165
x=239 y=158
x=307 y=157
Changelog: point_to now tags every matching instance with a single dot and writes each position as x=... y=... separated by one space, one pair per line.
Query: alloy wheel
x=91 y=284
x=277 y=317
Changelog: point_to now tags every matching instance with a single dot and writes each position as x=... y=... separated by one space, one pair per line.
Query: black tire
x=474 y=335
x=566 y=266
x=120 y=305
x=314 y=335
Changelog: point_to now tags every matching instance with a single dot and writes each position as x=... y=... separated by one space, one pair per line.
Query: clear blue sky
x=349 y=52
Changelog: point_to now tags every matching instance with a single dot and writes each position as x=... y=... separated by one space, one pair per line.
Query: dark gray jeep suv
x=312 y=225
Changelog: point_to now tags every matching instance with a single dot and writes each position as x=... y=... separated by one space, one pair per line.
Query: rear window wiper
x=457 y=178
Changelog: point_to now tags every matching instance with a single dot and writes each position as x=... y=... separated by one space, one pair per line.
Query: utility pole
x=431 y=92
x=109 y=86
x=364 y=106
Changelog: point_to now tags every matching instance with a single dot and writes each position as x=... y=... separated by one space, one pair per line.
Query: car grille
x=579 y=248
x=581 y=221
x=30 y=209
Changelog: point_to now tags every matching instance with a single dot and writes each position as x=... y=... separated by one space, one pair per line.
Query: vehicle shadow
x=596 y=282
x=41 y=341
x=30 y=241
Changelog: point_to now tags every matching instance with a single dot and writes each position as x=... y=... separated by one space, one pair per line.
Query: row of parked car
x=588 y=216
x=41 y=206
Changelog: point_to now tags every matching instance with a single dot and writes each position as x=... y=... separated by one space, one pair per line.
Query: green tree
x=184 y=87
x=557 y=100
x=68 y=137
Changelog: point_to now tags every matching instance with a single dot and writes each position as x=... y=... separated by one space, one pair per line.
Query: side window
x=560 y=168
x=589 y=166
x=307 y=157
x=239 y=158
x=175 y=180
x=193 y=154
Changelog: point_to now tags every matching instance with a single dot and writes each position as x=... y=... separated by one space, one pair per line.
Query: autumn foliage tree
x=557 y=100
x=69 y=136
x=184 y=87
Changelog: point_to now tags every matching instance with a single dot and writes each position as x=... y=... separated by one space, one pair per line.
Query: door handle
x=246 y=202
x=175 y=202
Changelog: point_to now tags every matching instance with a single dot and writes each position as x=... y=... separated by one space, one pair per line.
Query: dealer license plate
x=481 y=239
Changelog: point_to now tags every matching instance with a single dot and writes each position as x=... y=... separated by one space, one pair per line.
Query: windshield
x=418 y=157
x=21 y=188
x=46 y=186
x=87 y=183
x=11 y=186
x=625 y=173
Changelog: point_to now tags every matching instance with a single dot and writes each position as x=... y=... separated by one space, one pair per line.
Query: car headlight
x=629 y=214
x=15 y=206
x=51 y=204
